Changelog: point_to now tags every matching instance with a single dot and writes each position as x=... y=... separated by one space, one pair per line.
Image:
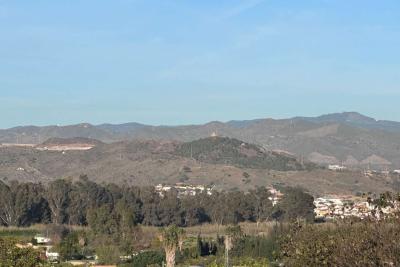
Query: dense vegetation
x=343 y=244
x=114 y=213
x=110 y=207
x=224 y=150
x=10 y=255
x=115 y=216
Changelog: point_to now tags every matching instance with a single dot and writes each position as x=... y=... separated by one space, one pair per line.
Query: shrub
x=10 y=255
x=350 y=244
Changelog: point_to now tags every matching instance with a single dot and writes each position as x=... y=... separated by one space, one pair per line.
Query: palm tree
x=231 y=234
x=172 y=238
x=181 y=238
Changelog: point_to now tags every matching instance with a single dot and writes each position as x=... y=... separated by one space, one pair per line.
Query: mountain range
x=348 y=138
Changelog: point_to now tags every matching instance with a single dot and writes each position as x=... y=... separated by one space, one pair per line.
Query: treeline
x=88 y=203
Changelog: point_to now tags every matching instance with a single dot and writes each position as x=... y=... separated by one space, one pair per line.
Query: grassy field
x=27 y=233
x=212 y=230
x=23 y=234
x=205 y=230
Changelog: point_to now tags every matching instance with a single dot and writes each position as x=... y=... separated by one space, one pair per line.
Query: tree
x=8 y=212
x=69 y=247
x=58 y=197
x=295 y=204
x=262 y=204
x=231 y=234
x=170 y=211
x=151 y=207
x=171 y=238
x=21 y=204
x=84 y=195
x=126 y=221
x=181 y=238
x=103 y=220
x=11 y=255
x=193 y=212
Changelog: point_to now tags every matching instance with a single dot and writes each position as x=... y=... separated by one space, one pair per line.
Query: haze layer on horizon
x=189 y=62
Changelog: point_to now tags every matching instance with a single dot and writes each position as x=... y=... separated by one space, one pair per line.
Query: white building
x=41 y=240
x=52 y=256
x=336 y=168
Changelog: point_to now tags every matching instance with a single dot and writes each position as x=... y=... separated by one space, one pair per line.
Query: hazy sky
x=186 y=61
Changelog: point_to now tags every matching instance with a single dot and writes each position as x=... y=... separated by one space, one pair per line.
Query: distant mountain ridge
x=340 y=138
x=356 y=119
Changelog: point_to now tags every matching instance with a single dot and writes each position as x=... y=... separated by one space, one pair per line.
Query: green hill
x=224 y=150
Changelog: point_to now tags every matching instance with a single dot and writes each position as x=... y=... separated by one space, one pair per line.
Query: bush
x=356 y=244
x=10 y=255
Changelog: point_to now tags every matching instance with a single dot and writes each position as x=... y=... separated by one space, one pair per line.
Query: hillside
x=71 y=141
x=224 y=150
x=349 y=138
x=153 y=162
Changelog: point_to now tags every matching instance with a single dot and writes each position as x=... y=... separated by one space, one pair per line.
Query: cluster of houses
x=192 y=190
x=183 y=189
x=336 y=167
x=341 y=207
x=368 y=172
x=371 y=173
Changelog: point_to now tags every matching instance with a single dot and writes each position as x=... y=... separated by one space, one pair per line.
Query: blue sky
x=183 y=61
